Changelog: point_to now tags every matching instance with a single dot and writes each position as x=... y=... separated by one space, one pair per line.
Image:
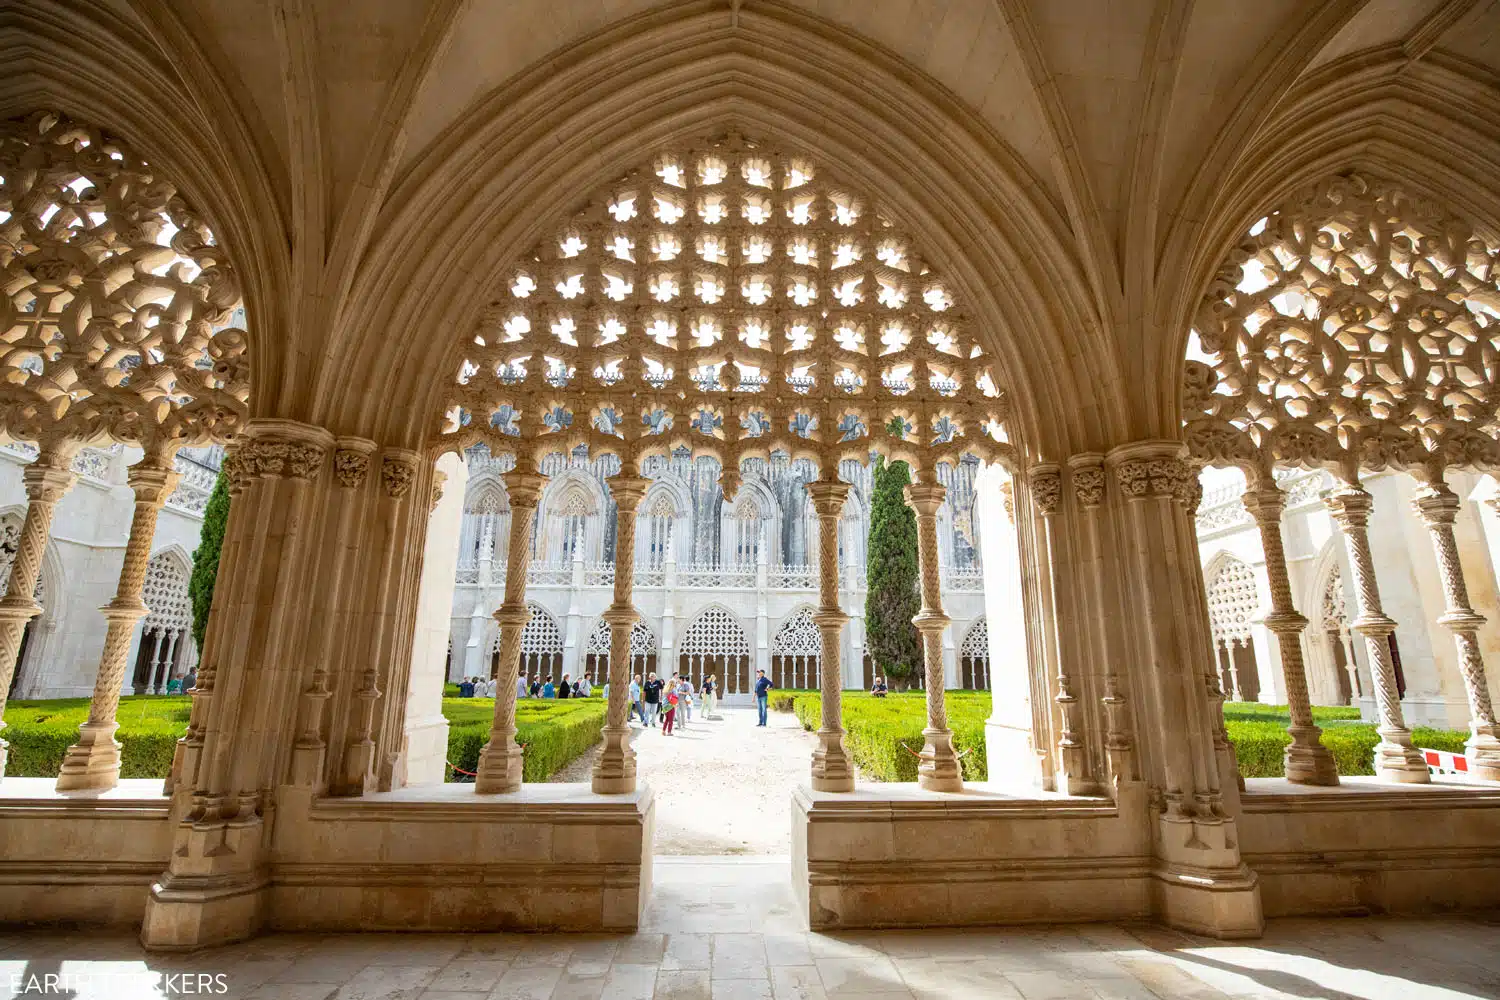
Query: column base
x=213 y=891
x=615 y=772
x=938 y=769
x=1200 y=884
x=831 y=770
x=1483 y=753
x=499 y=769
x=93 y=763
x=1400 y=763
x=1310 y=765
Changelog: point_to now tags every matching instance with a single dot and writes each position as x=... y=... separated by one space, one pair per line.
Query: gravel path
x=722 y=786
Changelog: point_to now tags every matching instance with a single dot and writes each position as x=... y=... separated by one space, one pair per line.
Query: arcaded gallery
x=750 y=498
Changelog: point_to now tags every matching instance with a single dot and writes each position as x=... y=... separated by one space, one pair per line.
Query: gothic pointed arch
x=715 y=642
x=729 y=297
x=974 y=656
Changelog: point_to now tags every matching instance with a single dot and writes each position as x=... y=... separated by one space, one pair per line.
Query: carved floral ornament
x=114 y=320
x=1355 y=328
x=732 y=298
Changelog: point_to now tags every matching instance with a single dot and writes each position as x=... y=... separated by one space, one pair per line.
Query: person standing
x=536 y=686
x=466 y=688
x=653 y=699
x=636 y=707
x=586 y=686
x=684 y=701
x=671 y=713
x=710 y=683
x=763 y=688
x=522 y=688
x=190 y=681
x=565 y=689
x=548 y=691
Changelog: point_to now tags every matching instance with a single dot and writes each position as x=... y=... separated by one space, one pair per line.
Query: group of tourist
x=535 y=686
x=670 y=701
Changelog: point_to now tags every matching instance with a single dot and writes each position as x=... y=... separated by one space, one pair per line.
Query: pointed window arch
x=541 y=645
x=974 y=657
x=165 y=642
x=715 y=643
x=796 y=651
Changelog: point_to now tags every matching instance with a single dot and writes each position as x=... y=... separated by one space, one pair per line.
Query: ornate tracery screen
x=642 y=650
x=715 y=643
x=974 y=657
x=541 y=645
x=795 y=651
x=117 y=299
x=164 y=633
x=1355 y=327
x=731 y=297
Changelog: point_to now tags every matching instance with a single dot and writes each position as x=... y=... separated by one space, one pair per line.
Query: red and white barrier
x=1443 y=762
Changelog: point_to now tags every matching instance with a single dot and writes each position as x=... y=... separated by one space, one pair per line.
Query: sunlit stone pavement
x=722 y=929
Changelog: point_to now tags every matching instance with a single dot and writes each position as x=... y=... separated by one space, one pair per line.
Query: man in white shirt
x=521 y=688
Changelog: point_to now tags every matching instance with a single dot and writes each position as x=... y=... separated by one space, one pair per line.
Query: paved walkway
x=723 y=786
x=726 y=929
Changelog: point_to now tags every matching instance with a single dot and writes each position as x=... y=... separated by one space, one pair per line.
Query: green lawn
x=39 y=732
x=883 y=734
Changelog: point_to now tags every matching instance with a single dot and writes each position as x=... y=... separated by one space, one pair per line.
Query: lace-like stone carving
x=1088 y=486
x=1159 y=477
x=1350 y=327
x=713 y=632
x=1233 y=601
x=642 y=639
x=731 y=296
x=798 y=636
x=118 y=301
x=166 y=594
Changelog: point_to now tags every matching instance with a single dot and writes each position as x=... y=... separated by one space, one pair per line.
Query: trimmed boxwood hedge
x=40 y=732
x=884 y=735
x=553 y=732
x=876 y=729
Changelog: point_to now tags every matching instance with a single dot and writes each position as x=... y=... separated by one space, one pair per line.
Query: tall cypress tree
x=892 y=599
x=206 y=558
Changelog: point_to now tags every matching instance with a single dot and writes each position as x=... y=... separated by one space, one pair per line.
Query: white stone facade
x=695 y=553
x=1234 y=572
x=82 y=564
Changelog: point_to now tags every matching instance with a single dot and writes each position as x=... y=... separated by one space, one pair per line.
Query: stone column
x=94 y=761
x=1395 y=757
x=47 y=480
x=1437 y=505
x=500 y=760
x=831 y=769
x=614 y=773
x=938 y=770
x=1045 y=484
x=1308 y=762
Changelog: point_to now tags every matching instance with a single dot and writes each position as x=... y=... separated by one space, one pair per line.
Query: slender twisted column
x=938 y=770
x=614 y=773
x=1437 y=505
x=1395 y=757
x=94 y=761
x=831 y=770
x=47 y=480
x=500 y=760
x=1308 y=762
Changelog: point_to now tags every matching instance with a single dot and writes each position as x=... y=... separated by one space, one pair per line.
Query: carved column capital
x=1008 y=499
x=1350 y=506
x=351 y=461
x=1088 y=479
x=47 y=484
x=926 y=498
x=1265 y=503
x=276 y=449
x=523 y=487
x=1435 y=503
x=152 y=483
x=828 y=496
x=398 y=470
x=628 y=491
x=1045 y=484
x=1143 y=478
